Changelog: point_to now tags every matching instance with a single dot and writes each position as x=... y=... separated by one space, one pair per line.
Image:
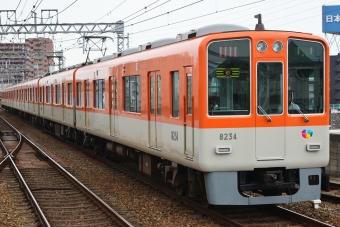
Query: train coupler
x=273 y=178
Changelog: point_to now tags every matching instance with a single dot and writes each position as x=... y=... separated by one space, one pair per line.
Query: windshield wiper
x=264 y=113
x=300 y=112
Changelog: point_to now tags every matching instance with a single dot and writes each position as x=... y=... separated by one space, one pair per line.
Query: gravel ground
x=144 y=206
x=8 y=214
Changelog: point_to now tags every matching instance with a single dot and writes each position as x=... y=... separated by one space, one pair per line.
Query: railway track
x=57 y=197
x=228 y=216
x=333 y=195
x=267 y=215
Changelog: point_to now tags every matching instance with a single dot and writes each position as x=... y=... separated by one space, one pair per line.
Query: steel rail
x=41 y=214
x=20 y=178
x=289 y=214
x=16 y=149
x=106 y=208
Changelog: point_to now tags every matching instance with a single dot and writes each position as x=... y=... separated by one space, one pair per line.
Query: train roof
x=205 y=30
x=179 y=37
x=162 y=42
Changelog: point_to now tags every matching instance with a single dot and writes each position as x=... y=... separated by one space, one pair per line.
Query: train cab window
x=99 y=94
x=70 y=94
x=306 y=76
x=229 y=77
x=175 y=94
x=132 y=94
x=58 y=94
x=269 y=88
x=79 y=94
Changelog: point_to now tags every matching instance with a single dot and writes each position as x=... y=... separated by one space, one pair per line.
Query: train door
x=269 y=114
x=114 y=105
x=188 y=116
x=155 y=110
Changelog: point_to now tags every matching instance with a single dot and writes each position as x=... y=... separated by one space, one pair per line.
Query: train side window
x=152 y=95
x=65 y=94
x=175 y=94
x=48 y=93
x=87 y=93
x=114 y=93
x=79 y=94
x=159 y=95
x=41 y=94
x=31 y=95
x=69 y=100
x=99 y=95
x=52 y=94
x=58 y=94
x=132 y=94
x=189 y=93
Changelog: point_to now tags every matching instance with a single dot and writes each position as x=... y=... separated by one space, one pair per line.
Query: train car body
x=221 y=112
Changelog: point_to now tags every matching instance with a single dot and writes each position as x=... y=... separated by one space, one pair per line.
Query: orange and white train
x=231 y=115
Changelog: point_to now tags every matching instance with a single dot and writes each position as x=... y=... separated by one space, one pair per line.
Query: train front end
x=266 y=121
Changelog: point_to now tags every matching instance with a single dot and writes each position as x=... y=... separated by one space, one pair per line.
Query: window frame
x=132 y=88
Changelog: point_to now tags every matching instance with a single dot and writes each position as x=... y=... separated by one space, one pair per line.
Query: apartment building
x=22 y=61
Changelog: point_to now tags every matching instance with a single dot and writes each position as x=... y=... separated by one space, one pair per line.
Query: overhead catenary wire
x=146 y=11
x=157 y=30
x=14 y=10
x=193 y=18
x=144 y=8
x=111 y=10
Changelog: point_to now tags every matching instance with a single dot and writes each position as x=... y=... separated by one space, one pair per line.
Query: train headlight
x=277 y=46
x=314 y=146
x=261 y=46
x=223 y=149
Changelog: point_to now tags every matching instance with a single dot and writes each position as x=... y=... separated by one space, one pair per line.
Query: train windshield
x=229 y=77
x=269 y=87
x=306 y=75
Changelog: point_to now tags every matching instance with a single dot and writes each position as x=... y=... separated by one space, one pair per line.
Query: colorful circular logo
x=307 y=133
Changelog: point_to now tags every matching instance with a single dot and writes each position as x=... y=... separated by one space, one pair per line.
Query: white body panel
x=131 y=131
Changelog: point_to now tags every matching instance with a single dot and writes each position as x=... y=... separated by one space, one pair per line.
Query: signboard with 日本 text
x=331 y=19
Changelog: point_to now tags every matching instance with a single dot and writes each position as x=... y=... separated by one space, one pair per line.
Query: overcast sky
x=149 y=20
